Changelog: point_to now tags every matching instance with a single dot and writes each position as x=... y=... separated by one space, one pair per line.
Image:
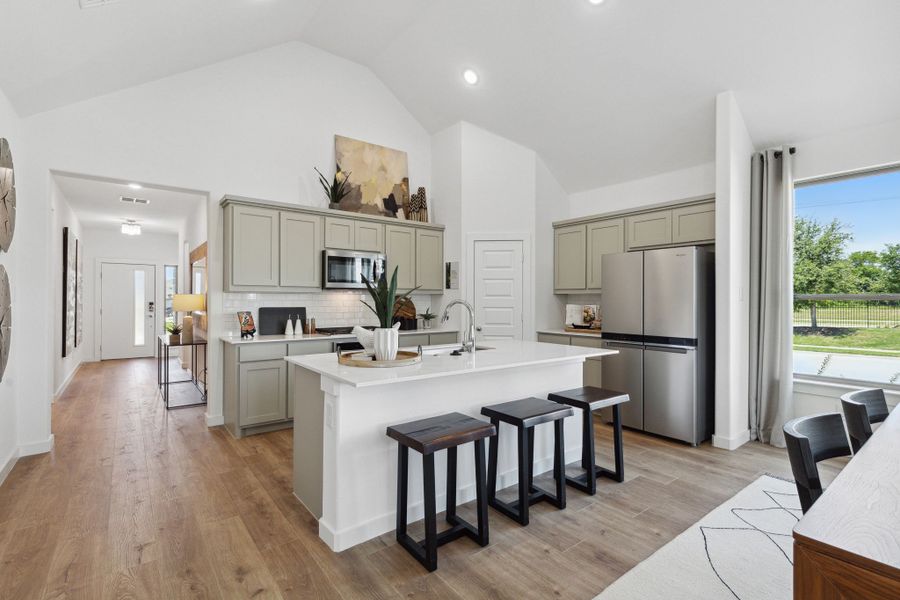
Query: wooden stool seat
x=524 y=415
x=588 y=399
x=427 y=436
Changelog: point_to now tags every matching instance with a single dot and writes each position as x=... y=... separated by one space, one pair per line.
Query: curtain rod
x=792 y=150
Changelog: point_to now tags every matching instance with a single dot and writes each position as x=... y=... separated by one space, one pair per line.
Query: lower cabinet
x=263 y=392
x=592 y=366
x=447 y=337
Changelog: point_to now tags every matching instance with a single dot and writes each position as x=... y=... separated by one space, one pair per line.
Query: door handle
x=478 y=328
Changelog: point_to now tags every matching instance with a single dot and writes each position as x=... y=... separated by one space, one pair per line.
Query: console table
x=163 y=345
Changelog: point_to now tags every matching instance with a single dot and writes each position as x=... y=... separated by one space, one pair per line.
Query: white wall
x=255 y=126
x=157 y=249
x=734 y=151
x=664 y=187
x=63 y=216
x=551 y=204
x=10 y=128
x=446 y=185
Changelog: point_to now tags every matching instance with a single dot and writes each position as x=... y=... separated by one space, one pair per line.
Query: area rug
x=743 y=549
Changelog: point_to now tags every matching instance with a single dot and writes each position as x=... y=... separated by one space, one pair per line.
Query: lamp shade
x=188 y=302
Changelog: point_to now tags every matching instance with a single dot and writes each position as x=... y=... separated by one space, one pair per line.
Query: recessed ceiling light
x=596 y=2
x=135 y=186
x=470 y=76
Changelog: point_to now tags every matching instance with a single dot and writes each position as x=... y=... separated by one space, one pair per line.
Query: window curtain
x=771 y=295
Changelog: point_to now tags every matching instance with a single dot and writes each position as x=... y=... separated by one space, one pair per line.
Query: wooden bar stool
x=589 y=399
x=525 y=415
x=427 y=436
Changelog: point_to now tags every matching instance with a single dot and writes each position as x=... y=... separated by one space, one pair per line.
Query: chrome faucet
x=468 y=344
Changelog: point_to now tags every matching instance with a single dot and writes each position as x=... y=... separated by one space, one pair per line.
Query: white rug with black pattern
x=743 y=549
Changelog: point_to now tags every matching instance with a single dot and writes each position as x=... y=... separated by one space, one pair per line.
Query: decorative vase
x=427 y=323
x=386 y=343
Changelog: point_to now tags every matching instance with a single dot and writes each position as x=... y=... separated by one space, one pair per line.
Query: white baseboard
x=62 y=387
x=37 y=447
x=8 y=465
x=214 y=420
x=731 y=443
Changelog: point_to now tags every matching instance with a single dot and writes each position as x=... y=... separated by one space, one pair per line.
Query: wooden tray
x=590 y=331
x=363 y=359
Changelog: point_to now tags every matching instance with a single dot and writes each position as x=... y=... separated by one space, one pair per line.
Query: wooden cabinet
x=301 y=250
x=340 y=233
x=649 y=229
x=429 y=260
x=570 y=259
x=603 y=237
x=400 y=248
x=263 y=392
x=694 y=224
x=252 y=256
x=368 y=237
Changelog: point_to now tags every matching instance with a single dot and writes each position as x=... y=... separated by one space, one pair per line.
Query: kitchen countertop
x=268 y=339
x=504 y=354
x=572 y=333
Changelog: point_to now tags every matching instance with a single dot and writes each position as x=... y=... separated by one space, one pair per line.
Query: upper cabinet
x=252 y=257
x=649 y=229
x=273 y=247
x=570 y=258
x=694 y=224
x=429 y=260
x=579 y=246
x=603 y=237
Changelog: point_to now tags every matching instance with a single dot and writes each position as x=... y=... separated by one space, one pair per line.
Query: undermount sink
x=449 y=349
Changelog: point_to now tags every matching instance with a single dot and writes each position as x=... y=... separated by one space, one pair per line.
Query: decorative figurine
x=248 y=327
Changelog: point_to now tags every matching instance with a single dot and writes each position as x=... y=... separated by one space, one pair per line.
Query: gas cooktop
x=339 y=330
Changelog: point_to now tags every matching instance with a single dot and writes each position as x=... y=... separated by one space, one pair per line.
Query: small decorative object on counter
x=365 y=338
x=312 y=326
x=336 y=189
x=427 y=317
x=384 y=302
x=289 y=326
x=418 y=207
x=248 y=327
x=174 y=330
x=405 y=314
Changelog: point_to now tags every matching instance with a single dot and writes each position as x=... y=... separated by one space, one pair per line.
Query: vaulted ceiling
x=603 y=93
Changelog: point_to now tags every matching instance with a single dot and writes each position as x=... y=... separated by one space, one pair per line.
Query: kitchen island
x=344 y=464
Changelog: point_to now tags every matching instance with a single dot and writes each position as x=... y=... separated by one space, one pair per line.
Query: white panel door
x=499 y=296
x=127 y=315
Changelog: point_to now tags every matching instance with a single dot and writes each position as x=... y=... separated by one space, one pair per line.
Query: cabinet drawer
x=411 y=341
x=585 y=342
x=549 y=338
x=311 y=347
x=448 y=337
x=271 y=351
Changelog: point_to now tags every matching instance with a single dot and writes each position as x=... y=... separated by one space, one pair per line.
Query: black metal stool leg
x=430 y=513
x=480 y=496
x=450 y=513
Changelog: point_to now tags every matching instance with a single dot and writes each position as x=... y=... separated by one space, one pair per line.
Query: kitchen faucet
x=468 y=344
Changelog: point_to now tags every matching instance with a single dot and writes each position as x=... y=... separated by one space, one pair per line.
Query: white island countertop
x=504 y=354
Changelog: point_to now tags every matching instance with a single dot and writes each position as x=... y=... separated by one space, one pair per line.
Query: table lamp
x=188 y=303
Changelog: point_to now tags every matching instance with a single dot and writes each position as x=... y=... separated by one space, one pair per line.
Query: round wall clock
x=7 y=196
x=5 y=320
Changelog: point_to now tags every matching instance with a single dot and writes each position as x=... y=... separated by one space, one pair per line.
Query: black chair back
x=861 y=409
x=810 y=440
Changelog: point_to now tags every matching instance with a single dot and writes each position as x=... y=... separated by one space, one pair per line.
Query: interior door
x=127 y=311
x=499 y=296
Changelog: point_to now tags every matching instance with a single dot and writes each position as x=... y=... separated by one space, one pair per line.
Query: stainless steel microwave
x=345 y=269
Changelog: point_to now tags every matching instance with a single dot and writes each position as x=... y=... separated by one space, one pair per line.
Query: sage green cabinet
x=592 y=369
x=301 y=250
x=570 y=259
x=340 y=233
x=603 y=237
x=649 y=229
x=694 y=224
x=368 y=237
x=298 y=348
x=429 y=260
x=252 y=257
x=446 y=337
x=263 y=392
x=415 y=339
x=400 y=249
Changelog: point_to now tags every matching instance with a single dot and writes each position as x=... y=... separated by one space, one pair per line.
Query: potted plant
x=427 y=317
x=384 y=305
x=174 y=330
x=335 y=190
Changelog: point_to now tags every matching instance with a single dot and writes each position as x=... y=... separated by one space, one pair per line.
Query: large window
x=847 y=279
x=171 y=273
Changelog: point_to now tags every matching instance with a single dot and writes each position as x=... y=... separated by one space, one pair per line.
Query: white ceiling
x=604 y=94
x=96 y=204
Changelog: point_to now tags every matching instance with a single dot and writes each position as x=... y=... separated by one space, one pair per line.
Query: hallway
x=135 y=501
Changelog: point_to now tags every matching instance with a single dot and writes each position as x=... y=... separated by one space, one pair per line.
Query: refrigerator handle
x=670 y=349
x=624 y=344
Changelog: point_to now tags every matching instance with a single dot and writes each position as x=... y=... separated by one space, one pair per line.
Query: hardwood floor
x=138 y=502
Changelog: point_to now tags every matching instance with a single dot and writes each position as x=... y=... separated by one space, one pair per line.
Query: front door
x=127 y=312
x=499 y=295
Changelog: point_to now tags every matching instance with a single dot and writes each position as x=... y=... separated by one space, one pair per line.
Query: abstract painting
x=68 y=292
x=79 y=293
x=378 y=181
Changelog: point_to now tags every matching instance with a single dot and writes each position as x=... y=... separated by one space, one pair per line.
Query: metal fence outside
x=852 y=311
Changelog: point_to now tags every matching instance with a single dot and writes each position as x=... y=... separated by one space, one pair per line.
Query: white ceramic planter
x=386 y=342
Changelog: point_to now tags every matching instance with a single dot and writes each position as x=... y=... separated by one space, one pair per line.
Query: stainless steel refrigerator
x=657 y=308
